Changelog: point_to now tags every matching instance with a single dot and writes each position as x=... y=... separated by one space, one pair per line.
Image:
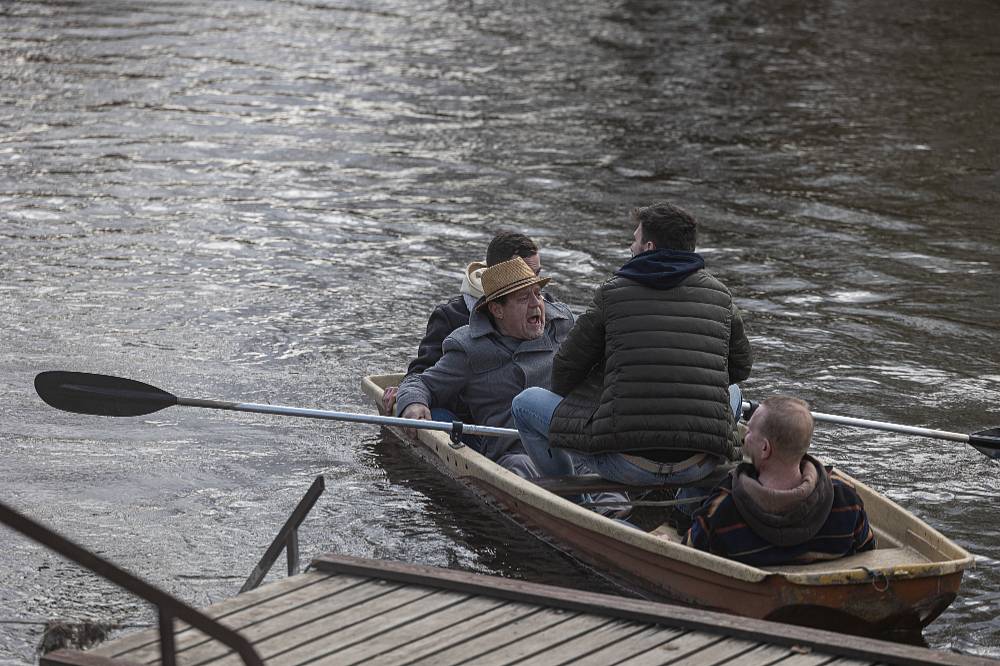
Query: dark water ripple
x=261 y=201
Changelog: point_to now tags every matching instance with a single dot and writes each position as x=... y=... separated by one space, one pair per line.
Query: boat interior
x=661 y=521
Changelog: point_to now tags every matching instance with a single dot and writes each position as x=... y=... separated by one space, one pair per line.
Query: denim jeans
x=533 y=427
x=533 y=409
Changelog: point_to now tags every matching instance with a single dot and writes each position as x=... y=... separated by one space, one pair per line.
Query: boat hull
x=895 y=590
x=872 y=608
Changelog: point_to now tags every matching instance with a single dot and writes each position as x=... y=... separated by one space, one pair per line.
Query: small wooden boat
x=901 y=586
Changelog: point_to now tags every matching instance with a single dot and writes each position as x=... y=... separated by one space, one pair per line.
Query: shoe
x=613 y=512
x=679 y=520
x=616 y=514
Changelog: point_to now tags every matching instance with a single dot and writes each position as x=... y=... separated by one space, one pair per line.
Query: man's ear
x=495 y=309
x=766 y=449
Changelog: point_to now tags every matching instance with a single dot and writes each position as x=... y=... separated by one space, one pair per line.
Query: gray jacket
x=478 y=368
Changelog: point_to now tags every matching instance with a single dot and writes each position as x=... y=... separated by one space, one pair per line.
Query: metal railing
x=288 y=537
x=167 y=606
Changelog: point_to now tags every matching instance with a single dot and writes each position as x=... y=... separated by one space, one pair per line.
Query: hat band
x=520 y=284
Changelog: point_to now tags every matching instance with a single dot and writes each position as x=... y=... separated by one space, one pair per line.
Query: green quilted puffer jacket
x=647 y=370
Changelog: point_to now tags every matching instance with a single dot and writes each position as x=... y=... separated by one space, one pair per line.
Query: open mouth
x=535 y=319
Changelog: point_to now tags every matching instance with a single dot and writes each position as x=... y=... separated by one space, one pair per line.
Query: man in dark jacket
x=784 y=507
x=646 y=370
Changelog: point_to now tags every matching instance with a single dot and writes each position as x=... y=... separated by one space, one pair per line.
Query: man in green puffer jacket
x=641 y=385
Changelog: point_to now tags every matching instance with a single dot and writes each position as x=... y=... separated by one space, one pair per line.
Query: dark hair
x=667 y=226
x=789 y=425
x=507 y=245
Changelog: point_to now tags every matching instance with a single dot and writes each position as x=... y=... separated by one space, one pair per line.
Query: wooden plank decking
x=352 y=611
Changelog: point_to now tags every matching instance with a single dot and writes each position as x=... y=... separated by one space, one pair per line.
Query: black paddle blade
x=987 y=442
x=86 y=393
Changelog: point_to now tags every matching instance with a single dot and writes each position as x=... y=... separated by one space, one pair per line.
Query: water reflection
x=480 y=538
x=262 y=202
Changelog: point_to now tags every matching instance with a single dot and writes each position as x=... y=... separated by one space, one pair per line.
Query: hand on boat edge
x=415 y=411
x=389 y=399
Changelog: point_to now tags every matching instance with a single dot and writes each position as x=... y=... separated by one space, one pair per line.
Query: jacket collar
x=784 y=517
x=661 y=268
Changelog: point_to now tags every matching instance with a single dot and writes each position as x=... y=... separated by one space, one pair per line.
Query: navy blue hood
x=661 y=269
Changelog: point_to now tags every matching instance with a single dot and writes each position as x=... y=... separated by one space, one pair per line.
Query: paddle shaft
x=87 y=393
x=891 y=427
x=488 y=431
x=986 y=442
x=880 y=425
x=988 y=445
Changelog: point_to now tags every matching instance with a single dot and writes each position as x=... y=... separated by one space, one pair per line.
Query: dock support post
x=168 y=649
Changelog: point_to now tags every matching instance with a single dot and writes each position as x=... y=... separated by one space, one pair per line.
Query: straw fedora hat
x=506 y=278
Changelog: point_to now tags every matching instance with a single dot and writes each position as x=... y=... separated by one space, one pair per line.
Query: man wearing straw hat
x=507 y=346
x=640 y=387
x=454 y=313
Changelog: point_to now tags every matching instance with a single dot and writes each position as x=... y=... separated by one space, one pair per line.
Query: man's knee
x=520 y=464
x=527 y=398
x=523 y=399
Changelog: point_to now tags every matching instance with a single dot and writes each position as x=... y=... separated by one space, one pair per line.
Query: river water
x=262 y=201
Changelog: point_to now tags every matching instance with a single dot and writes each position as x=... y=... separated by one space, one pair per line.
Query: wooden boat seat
x=880 y=558
x=889 y=556
x=591 y=483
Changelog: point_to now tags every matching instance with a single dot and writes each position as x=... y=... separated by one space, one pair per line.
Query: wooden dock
x=347 y=610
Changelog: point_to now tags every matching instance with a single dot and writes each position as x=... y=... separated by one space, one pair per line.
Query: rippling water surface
x=262 y=201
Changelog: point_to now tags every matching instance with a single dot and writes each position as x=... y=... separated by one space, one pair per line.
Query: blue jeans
x=555 y=462
x=533 y=409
